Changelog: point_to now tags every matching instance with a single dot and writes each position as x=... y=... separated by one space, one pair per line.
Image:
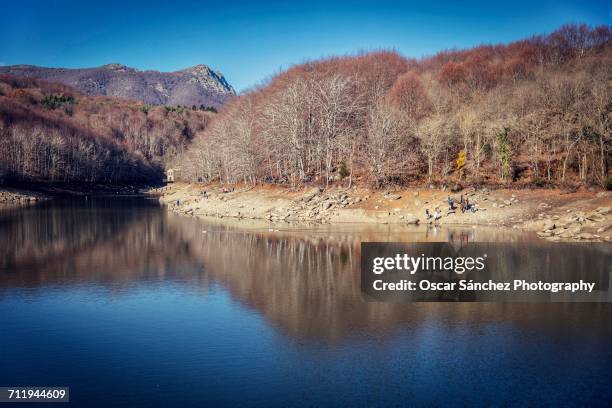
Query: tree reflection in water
x=304 y=281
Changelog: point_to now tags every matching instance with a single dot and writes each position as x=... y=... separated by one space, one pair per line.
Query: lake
x=130 y=305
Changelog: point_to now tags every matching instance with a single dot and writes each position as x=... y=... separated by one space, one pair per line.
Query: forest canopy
x=533 y=111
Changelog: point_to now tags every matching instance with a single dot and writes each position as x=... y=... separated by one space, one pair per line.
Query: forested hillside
x=50 y=132
x=532 y=111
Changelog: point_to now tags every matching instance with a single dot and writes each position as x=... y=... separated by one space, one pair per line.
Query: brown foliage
x=51 y=132
x=538 y=108
x=409 y=94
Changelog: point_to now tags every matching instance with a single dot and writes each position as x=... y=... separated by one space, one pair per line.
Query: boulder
x=456 y=188
x=603 y=210
x=596 y=217
x=604 y=227
x=411 y=219
x=311 y=194
x=392 y=196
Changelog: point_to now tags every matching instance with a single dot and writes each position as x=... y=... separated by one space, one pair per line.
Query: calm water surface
x=132 y=306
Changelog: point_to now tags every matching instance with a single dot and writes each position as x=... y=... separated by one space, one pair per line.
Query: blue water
x=185 y=329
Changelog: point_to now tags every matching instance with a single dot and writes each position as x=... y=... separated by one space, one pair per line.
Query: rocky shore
x=554 y=214
x=14 y=198
x=595 y=225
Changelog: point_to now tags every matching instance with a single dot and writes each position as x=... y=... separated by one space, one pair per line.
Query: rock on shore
x=594 y=225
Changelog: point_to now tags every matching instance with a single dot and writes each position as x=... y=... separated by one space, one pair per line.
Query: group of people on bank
x=464 y=205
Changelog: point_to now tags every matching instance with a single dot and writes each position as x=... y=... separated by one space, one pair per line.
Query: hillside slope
x=53 y=133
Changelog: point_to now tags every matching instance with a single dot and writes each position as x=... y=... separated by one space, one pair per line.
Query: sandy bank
x=579 y=215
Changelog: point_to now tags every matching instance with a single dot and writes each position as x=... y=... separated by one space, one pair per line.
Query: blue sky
x=249 y=41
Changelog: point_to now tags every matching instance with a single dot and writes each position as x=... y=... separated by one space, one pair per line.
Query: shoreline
x=21 y=194
x=553 y=214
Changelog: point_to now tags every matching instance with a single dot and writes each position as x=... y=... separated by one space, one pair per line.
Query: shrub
x=539 y=182
x=208 y=109
x=487 y=149
x=58 y=100
x=178 y=108
x=461 y=160
x=505 y=155
x=344 y=172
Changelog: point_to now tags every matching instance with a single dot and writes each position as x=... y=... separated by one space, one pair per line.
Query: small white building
x=172 y=174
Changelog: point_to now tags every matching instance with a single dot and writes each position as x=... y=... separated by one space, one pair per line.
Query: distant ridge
x=198 y=85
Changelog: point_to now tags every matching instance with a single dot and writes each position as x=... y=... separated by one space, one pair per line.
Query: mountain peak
x=208 y=77
x=115 y=65
x=198 y=68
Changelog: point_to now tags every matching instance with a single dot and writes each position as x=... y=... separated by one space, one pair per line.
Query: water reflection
x=105 y=240
x=304 y=281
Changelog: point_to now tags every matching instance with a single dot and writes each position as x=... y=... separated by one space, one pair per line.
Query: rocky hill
x=198 y=85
